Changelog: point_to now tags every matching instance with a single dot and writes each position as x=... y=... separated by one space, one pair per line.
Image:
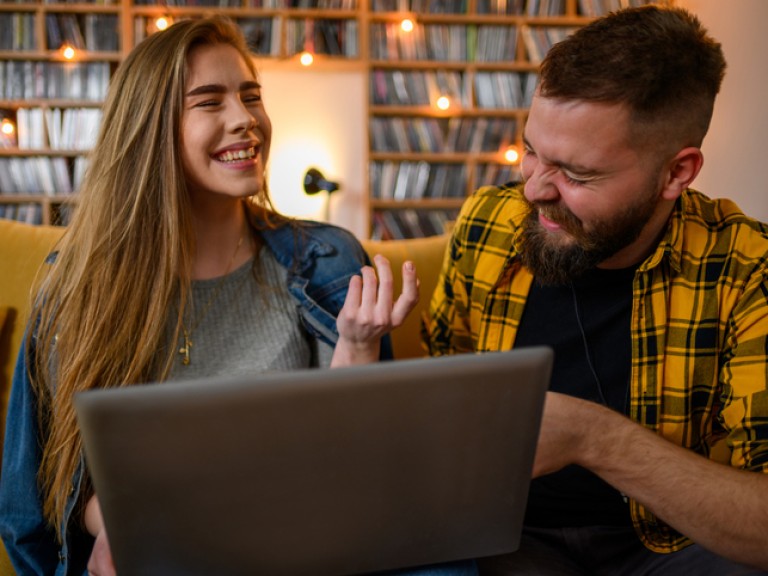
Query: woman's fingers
x=385 y=286
x=409 y=296
x=370 y=310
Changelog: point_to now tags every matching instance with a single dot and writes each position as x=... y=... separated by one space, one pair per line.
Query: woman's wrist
x=349 y=353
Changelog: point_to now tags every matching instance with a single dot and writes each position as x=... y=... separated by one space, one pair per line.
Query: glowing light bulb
x=443 y=103
x=511 y=155
x=7 y=127
x=68 y=52
x=406 y=25
x=306 y=58
x=162 y=23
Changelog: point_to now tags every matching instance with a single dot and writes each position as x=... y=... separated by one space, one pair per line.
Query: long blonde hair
x=125 y=260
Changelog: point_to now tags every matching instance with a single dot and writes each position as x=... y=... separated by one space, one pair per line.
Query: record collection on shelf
x=450 y=82
x=50 y=101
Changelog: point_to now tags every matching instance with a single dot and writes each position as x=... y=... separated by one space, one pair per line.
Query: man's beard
x=554 y=262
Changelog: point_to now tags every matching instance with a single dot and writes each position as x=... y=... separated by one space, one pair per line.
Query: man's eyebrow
x=220 y=89
x=572 y=168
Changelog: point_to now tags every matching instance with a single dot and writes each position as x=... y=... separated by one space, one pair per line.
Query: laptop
x=323 y=472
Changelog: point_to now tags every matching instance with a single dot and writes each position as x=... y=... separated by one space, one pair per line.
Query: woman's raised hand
x=370 y=311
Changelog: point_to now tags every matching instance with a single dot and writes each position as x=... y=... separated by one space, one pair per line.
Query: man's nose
x=540 y=186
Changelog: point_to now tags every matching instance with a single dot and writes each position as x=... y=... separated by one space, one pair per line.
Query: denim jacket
x=320 y=260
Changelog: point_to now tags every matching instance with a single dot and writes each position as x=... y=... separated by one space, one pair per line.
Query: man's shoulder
x=496 y=205
x=489 y=222
x=721 y=220
x=507 y=194
x=717 y=235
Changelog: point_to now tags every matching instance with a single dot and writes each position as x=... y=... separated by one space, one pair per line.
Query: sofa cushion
x=427 y=255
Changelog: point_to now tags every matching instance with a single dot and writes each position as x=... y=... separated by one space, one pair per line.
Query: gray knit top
x=239 y=325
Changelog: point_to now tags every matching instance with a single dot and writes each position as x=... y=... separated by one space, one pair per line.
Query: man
x=654 y=441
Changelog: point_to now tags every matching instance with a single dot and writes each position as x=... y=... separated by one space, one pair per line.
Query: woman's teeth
x=236 y=155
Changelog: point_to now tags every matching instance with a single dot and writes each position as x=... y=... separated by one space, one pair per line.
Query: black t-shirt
x=587 y=323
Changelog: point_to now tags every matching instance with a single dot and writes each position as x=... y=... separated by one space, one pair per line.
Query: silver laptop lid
x=341 y=471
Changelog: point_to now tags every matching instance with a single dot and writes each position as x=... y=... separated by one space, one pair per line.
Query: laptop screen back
x=341 y=471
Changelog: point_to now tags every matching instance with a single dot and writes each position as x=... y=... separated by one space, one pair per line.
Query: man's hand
x=563 y=426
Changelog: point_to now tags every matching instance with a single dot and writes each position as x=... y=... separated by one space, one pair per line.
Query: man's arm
x=719 y=507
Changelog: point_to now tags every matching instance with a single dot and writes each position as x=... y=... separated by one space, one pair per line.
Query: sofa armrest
x=427 y=255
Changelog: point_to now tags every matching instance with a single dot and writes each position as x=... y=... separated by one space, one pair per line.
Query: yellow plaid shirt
x=699 y=325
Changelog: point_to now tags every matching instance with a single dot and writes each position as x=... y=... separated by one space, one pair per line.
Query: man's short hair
x=659 y=61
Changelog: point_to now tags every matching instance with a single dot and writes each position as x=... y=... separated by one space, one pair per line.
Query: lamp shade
x=315 y=182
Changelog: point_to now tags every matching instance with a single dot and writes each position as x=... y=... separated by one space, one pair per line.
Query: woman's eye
x=251 y=98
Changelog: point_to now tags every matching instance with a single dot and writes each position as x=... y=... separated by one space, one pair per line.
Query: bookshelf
x=53 y=103
x=481 y=58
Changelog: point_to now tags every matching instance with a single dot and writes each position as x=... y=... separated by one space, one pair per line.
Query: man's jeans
x=603 y=550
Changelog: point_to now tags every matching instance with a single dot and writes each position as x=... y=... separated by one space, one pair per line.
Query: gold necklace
x=187 y=333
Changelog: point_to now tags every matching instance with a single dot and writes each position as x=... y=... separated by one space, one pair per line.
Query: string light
x=67 y=51
x=7 y=127
x=511 y=154
x=306 y=58
x=162 y=22
x=406 y=25
x=443 y=103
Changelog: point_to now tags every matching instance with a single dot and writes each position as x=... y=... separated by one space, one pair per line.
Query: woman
x=175 y=266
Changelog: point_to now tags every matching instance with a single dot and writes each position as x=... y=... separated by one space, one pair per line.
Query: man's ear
x=681 y=171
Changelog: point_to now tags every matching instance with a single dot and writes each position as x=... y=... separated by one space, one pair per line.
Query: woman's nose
x=244 y=119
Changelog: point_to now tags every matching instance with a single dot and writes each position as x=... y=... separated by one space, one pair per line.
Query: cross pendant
x=184 y=350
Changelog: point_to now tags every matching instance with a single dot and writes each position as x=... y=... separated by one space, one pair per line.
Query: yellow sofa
x=23 y=249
